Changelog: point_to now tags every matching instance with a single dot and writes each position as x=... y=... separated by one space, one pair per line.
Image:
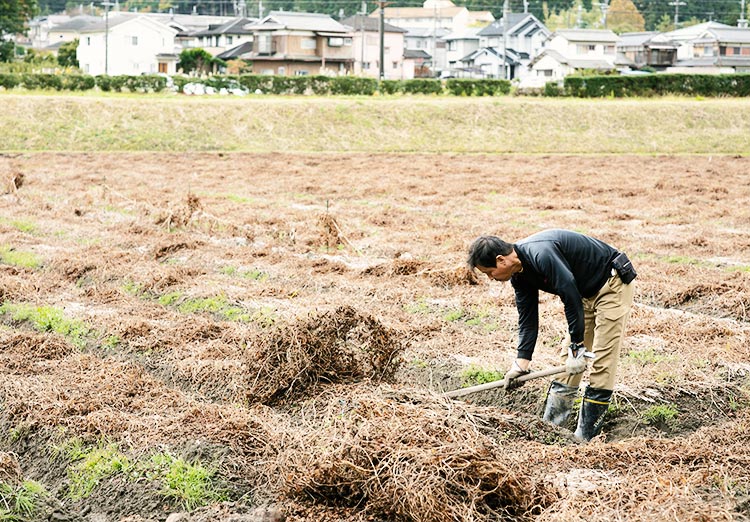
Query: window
x=347 y=41
x=301 y=73
x=335 y=41
x=745 y=51
x=282 y=71
x=88 y=40
x=264 y=44
x=708 y=50
x=308 y=43
x=229 y=40
x=395 y=65
x=366 y=65
x=452 y=45
x=610 y=49
x=162 y=67
x=134 y=40
x=737 y=50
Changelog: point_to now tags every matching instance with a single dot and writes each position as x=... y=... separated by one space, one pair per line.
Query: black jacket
x=564 y=263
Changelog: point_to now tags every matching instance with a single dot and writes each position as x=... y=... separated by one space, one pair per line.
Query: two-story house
x=288 y=43
x=127 y=44
x=643 y=50
x=428 y=25
x=709 y=48
x=458 y=45
x=366 y=46
x=507 y=56
x=218 y=38
x=567 y=51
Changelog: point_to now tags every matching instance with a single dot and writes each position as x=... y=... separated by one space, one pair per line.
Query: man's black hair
x=485 y=249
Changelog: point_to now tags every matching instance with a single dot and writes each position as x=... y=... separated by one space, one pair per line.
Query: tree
x=623 y=17
x=198 y=60
x=14 y=14
x=66 y=54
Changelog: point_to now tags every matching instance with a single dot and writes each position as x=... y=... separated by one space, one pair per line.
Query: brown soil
x=290 y=321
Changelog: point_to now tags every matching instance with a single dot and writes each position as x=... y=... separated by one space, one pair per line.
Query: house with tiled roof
x=428 y=25
x=507 y=55
x=130 y=45
x=290 y=43
x=218 y=38
x=568 y=51
x=366 y=46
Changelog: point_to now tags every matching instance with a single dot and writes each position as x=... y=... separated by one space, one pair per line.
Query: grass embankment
x=33 y=122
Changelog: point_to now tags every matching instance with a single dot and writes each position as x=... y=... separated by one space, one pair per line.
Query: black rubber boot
x=593 y=409
x=559 y=405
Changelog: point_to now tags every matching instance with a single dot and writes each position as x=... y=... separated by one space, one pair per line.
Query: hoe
x=497 y=384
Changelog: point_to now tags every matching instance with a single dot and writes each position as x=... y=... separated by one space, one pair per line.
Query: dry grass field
x=266 y=336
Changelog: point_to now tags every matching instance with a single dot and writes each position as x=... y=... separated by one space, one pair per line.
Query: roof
x=416 y=53
x=357 y=22
x=76 y=24
x=715 y=61
x=576 y=63
x=635 y=39
x=418 y=12
x=693 y=31
x=422 y=32
x=236 y=52
x=515 y=21
x=588 y=35
x=465 y=34
x=512 y=57
x=236 y=26
x=101 y=25
x=731 y=35
x=298 y=21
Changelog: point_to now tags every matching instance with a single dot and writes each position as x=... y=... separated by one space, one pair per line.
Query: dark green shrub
x=391 y=86
x=289 y=84
x=78 y=82
x=423 y=86
x=9 y=80
x=320 y=84
x=552 y=89
x=459 y=86
x=253 y=82
x=353 y=85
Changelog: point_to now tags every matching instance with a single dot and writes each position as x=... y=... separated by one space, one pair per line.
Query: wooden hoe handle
x=496 y=384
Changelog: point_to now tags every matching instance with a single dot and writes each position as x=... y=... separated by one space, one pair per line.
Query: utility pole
x=604 y=6
x=107 y=4
x=677 y=4
x=363 y=38
x=381 y=5
x=742 y=21
x=525 y=6
x=579 y=16
x=506 y=28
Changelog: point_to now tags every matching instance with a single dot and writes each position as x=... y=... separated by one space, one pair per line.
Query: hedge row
x=83 y=82
x=657 y=85
x=319 y=85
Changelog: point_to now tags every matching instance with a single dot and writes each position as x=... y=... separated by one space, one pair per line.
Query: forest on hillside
x=656 y=14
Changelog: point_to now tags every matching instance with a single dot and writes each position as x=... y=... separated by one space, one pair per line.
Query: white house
x=366 y=45
x=127 y=44
x=524 y=40
x=570 y=50
x=218 y=38
x=458 y=45
x=428 y=25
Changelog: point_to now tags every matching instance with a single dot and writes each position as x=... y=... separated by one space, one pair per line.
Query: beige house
x=294 y=44
x=366 y=31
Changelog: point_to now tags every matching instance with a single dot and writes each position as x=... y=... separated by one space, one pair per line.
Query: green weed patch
x=48 y=319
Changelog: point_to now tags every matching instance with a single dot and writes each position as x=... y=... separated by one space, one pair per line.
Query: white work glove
x=576 y=361
x=511 y=375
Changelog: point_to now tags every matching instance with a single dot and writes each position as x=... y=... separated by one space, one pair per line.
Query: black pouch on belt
x=624 y=268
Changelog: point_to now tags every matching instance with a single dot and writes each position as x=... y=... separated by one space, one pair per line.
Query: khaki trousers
x=605 y=315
